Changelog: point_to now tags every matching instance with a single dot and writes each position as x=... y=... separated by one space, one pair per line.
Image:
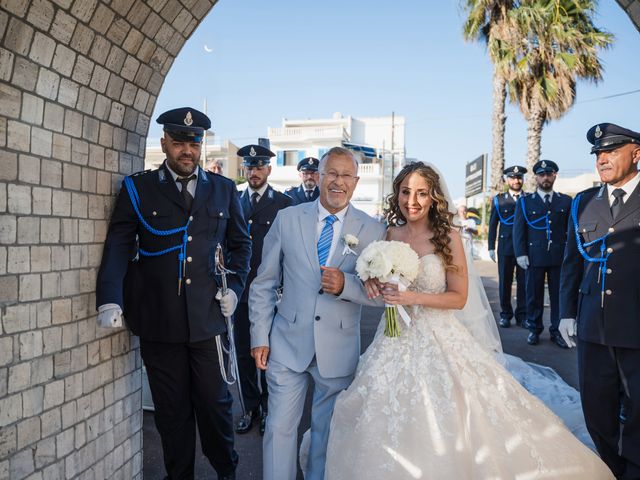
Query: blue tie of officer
x=326 y=237
x=547 y=201
x=616 y=205
x=186 y=195
x=254 y=199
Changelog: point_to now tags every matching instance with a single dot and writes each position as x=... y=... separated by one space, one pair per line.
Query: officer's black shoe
x=533 y=338
x=263 y=422
x=246 y=422
x=504 y=322
x=520 y=322
x=558 y=340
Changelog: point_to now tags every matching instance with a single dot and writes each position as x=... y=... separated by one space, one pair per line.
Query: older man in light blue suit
x=315 y=333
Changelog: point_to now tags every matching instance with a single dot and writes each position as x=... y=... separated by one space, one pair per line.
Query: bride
x=433 y=402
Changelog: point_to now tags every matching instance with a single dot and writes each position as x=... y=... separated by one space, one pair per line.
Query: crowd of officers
x=172 y=227
x=588 y=249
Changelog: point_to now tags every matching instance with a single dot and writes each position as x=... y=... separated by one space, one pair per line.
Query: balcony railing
x=284 y=134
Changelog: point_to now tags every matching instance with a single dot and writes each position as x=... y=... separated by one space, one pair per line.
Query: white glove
x=523 y=262
x=109 y=316
x=492 y=255
x=568 y=330
x=228 y=302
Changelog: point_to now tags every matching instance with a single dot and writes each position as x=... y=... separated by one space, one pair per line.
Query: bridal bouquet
x=393 y=262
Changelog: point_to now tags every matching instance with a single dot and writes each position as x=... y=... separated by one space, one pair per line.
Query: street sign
x=474 y=182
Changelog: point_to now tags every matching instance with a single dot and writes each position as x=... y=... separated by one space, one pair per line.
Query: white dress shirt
x=542 y=193
x=191 y=186
x=628 y=187
x=260 y=191
x=337 y=225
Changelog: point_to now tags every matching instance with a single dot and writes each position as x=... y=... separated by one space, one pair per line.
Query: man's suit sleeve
x=570 y=275
x=119 y=248
x=493 y=227
x=238 y=245
x=262 y=293
x=519 y=230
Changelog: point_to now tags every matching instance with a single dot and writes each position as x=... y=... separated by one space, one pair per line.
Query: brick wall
x=78 y=82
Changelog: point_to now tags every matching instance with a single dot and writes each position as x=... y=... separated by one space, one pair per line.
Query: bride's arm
x=454 y=297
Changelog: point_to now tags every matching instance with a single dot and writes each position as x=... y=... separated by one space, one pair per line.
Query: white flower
x=350 y=241
x=385 y=259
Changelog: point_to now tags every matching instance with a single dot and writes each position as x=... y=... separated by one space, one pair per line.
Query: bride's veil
x=476 y=315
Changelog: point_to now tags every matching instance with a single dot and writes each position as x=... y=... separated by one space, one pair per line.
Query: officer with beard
x=539 y=238
x=260 y=205
x=308 y=190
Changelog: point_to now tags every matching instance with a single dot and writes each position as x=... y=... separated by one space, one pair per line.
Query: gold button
x=584 y=230
x=188 y=281
x=533 y=213
x=609 y=271
x=250 y=237
x=611 y=229
x=609 y=250
x=549 y=222
x=221 y=213
x=608 y=292
x=250 y=221
x=189 y=259
x=189 y=238
x=155 y=213
x=191 y=218
x=268 y=222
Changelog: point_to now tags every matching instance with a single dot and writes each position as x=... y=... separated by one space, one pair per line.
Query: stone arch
x=78 y=82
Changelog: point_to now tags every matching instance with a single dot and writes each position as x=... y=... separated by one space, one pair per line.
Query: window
x=291 y=158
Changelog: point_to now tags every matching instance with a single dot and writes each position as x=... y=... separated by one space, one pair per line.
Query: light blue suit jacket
x=308 y=322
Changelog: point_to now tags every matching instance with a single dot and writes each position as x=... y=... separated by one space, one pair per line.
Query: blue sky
x=303 y=59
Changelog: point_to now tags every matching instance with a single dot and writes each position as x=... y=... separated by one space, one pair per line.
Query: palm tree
x=559 y=45
x=487 y=21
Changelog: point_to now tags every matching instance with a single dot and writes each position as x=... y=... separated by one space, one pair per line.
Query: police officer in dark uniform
x=600 y=297
x=503 y=209
x=260 y=205
x=308 y=190
x=159 y=268
x=539 y=238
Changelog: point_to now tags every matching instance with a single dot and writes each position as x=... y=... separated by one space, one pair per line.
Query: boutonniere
x=350 y=242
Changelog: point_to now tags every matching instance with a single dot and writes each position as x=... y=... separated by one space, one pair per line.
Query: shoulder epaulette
x=142 y=172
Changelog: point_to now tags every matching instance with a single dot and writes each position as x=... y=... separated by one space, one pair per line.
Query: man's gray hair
x=337 y=151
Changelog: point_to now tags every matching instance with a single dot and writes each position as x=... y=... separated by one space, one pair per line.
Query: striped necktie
x=326 y=237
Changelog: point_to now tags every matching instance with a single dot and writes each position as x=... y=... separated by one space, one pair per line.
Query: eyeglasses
x=333 y=176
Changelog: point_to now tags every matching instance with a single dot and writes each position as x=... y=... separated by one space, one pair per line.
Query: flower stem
x=391 y=327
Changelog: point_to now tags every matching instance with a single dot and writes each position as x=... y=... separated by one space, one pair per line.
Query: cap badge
x=188 y=120
x=252 y=152
x=515 y=169
x=543 y=164
x=311 y=161
x=598 y=132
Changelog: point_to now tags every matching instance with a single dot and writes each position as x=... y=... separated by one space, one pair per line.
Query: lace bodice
x=431 y=275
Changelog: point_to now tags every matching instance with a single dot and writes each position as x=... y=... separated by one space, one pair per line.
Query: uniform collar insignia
x=270 y=192
x=188 y=120
x=543 y=164
x=161 y=175
x=602 y=189
x=598 y=132
x=203 y=176
x=252 y=152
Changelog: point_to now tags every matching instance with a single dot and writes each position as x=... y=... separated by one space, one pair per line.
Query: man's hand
x=332 y=280
x=568 y=330
x=492 y=255
x=228 y=302
x=260 y=355
x=523 y=262
x=109 y=316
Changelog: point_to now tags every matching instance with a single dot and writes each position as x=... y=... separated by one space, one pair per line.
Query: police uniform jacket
x=533 y=242
x=617 y=322
x=259 y=221
x=298 y=194
x=147 y=288
x=507 y=207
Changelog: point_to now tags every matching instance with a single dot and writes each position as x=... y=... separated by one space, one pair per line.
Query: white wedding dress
x=435 y=404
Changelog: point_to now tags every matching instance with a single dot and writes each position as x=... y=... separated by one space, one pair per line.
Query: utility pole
x=393 y=147
x=204 y=162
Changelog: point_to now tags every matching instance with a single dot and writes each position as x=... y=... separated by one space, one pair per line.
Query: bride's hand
x=373 y=287
x=393 y=296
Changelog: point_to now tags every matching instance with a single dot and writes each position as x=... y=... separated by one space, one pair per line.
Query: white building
x=379 y=142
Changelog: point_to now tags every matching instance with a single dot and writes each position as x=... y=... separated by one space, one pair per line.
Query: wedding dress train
x=436 y=404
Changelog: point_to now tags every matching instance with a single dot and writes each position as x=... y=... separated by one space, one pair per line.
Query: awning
x=368 y=152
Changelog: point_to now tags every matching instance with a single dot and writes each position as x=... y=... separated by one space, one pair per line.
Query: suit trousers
x=605 y=371
x=287 y=392
x=506 y=265
x=254 y=394
x=535 y=297
x=187 y=387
